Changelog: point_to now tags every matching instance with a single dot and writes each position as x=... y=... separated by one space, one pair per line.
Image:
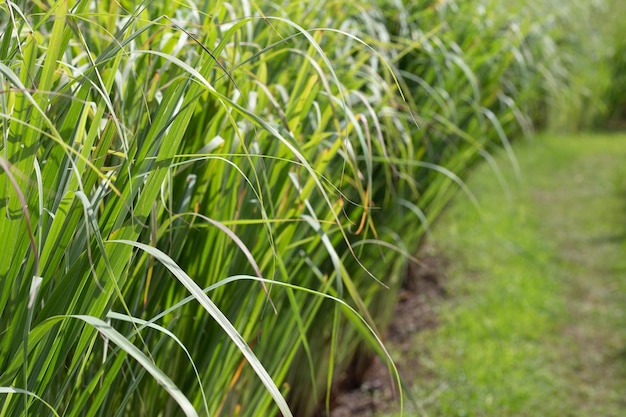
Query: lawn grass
x=534 y=323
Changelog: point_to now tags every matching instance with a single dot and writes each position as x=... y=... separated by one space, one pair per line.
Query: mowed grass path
x=534 y=321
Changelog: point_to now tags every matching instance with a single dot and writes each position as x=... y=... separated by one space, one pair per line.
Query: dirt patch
x=373 y=390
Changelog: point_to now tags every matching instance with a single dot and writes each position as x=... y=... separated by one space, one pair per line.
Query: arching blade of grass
x=9 y=391
x=218 y=316
x=123 y=343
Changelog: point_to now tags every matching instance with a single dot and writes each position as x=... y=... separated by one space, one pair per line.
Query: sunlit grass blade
x=218 y=316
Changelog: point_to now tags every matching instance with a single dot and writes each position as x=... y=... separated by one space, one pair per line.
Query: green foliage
x=615 y=92
x=533 y=320
x=265 y=155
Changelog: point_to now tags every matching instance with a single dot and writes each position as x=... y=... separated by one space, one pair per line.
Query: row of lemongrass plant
x=613 y=105
x=207 y=207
